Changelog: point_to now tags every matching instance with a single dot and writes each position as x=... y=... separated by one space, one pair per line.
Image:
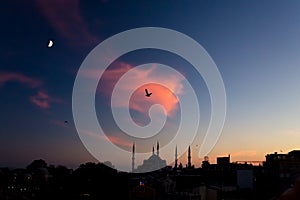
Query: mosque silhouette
x=155 y=162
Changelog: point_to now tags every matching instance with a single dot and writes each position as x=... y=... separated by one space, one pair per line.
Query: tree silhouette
x=36 y=164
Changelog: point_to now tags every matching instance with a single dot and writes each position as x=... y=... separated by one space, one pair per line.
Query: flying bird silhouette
x=147 y=94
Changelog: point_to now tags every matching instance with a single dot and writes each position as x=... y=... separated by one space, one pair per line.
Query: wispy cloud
x=293 y=132
x=42 y=99
x=114 y=139
x=249 y=153
x=66 y=19
x=20 y=78
x=119 y=141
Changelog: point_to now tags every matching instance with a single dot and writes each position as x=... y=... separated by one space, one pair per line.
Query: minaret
x=175 y=158
x=157 y=148
x=189 y=165
x=133 y=152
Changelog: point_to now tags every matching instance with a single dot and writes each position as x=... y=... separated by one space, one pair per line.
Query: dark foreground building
x=224 y=180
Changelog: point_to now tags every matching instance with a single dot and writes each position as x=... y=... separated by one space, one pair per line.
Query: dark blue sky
x=256 y=46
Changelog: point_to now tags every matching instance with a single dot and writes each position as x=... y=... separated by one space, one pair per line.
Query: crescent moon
x=50 y=44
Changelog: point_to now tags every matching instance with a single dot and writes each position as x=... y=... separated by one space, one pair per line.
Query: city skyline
x=255 y=46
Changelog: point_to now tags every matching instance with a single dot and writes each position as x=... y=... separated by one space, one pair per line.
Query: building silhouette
x=133 y=157
x=176 y=159
x=283 y=165
x=154 y=162
x=223 y=160
x=189 y=164
x=224 y=180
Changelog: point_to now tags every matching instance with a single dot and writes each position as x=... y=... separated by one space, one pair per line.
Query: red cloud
x=165 y=96
x=114 y=139
x=43 y=100
x=241 y=154
x=65 y=18
x=16 y=77
x=162 y=96
x=119 y=141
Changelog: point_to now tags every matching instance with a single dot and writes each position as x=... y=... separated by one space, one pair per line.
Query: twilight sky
x=256 y=46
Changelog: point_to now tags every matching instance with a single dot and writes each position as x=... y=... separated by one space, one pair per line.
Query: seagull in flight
x=147 y=94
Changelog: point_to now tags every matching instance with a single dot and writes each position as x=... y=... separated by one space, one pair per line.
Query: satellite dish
x=50 y=43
